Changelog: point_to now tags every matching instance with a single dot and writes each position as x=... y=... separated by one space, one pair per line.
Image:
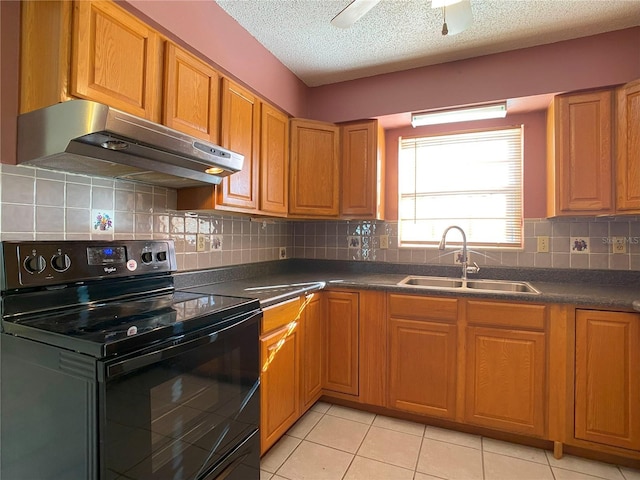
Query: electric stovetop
x=119 y=327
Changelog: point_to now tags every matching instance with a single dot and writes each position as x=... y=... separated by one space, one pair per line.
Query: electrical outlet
x=543 y=244
x=200 y=242
x=283 y=253
x=384 y=241
x=619 y=245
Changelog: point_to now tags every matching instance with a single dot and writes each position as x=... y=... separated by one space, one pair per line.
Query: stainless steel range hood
x=81 y=136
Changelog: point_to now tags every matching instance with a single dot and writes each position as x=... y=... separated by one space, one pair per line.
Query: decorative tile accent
x=102 y=221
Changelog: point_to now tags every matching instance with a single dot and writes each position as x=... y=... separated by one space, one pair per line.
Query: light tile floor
x=337 y=443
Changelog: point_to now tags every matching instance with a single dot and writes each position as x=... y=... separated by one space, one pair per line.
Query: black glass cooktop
x=118 y=327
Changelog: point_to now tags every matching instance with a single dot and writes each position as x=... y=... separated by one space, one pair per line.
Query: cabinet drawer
x=279 y=314
x=415 y=306
x=516 y=315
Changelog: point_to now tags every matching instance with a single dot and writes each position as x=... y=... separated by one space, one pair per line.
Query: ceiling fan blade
x=353 y=12
x=458 y=16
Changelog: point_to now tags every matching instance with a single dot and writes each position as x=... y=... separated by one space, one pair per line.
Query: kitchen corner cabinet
x=340 y=372
x=362 y=176
x=628 y=148
x=607 y=376
x=312 y=325
x=580 y=154
x=505 y=366
x=274 y=161
x=192 y=90
x=314 y=180
x=422 y=354
x=280 y=371
x=240 y=132
x=116 y=59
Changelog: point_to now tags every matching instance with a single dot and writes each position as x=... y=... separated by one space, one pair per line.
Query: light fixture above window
x=465 y=114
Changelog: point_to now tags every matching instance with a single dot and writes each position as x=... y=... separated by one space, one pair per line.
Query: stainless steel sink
x=447 y=283
x=500 y=286
x=432 y=282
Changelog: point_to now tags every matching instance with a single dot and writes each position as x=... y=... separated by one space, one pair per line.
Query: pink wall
x=605 y=59
x=209 y=30
x=534 y=158
x=9 y=39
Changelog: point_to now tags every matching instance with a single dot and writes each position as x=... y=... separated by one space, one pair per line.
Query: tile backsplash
x=38 y=204
x=361 y=240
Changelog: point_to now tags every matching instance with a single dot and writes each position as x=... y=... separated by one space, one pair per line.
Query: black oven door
x=184 y=410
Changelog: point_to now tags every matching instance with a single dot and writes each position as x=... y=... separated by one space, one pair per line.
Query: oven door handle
x=170 y=349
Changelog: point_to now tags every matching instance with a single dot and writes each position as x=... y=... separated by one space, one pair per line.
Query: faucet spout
x=465 y=268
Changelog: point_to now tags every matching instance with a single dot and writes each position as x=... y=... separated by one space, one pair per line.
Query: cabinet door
x=628 y=149
x=45 y=53
x=274 y=161
x=340 y=372
x=314 y=179
x=607 y=408
x=583 y=153
x=312 y=341
x=240 y=124
x=191 y=95
x=116 y=59
x=422 y=376
x=279 y=387
x=362 y=170
x=504 y=386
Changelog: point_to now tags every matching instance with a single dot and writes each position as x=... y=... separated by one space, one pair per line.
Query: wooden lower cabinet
x=280 y=345
x=422 y=375
x=607 y=376
x=423 y=354
x=340 y=372
x=279 y=396
x=505 y=380
x=312 y=325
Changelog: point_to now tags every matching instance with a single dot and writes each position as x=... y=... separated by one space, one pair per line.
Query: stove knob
x=35 y=263
x=147 y=258
x=61 y=262
x=161 y=256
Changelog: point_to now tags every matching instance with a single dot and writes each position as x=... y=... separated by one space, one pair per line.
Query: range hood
x=81 y=136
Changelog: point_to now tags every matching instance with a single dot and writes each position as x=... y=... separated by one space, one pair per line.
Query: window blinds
x=473 y=180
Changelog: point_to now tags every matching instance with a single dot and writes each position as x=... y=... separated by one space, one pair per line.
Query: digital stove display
x=106 y=255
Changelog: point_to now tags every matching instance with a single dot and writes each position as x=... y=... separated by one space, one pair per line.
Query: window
x=473 y=180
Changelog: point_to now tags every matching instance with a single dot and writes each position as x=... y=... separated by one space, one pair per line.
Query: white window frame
x=458 y=182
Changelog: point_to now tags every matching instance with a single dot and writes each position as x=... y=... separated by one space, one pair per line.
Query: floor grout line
x=423 y=438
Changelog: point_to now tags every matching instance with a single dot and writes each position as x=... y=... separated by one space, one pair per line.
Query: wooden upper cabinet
x=116 y=59
x=274 y=161
x=628 y=148
x=607 y=408
x=580 y=154
x=239 y=132
x=314 y=174
x=362 y=170
x=191 y=101
x=45 y=50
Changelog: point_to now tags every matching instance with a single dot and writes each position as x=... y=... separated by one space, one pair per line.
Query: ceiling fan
x=456 y=14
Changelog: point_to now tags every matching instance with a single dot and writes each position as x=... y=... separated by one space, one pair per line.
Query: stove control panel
x=32 y=264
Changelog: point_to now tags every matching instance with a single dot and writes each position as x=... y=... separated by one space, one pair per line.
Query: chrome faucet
x=465 y=265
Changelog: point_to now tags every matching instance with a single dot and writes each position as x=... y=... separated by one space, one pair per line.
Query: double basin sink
x=446 y=283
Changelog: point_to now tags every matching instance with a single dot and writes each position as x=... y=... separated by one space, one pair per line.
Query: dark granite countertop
x=274 y=282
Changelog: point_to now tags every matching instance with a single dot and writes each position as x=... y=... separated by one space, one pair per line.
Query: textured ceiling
x=401 y=34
